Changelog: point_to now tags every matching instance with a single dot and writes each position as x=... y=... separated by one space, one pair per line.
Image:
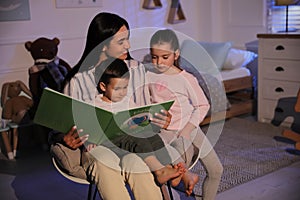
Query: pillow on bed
x=238 y=58
x=211 y=86
x=218 y=51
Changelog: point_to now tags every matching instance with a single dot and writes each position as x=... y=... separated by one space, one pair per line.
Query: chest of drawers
x=278 y=77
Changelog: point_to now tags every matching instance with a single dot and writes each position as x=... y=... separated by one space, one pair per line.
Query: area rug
x=247 y=151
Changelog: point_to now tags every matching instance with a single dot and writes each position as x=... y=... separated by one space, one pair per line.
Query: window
x=277 y=17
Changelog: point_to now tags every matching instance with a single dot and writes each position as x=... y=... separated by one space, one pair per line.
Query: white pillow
x=237 y=58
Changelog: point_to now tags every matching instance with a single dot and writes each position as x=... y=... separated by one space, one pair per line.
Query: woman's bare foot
x=189 y=179
x=167 y=173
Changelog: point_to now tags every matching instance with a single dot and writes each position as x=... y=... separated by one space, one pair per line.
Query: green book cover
x=60 y=112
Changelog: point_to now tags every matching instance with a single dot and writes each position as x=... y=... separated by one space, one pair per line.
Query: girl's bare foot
x=167 y=173
x=189 y=179
x=176 y=181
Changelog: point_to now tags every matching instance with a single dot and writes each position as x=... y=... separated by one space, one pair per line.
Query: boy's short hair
x=110 y=68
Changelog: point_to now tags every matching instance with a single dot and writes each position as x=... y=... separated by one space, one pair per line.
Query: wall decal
x=176 y=14
x=152 y=4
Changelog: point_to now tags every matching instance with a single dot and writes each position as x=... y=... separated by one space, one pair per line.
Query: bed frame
x=239 y=92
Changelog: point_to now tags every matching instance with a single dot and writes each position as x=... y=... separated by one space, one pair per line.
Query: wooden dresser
x=278 y=76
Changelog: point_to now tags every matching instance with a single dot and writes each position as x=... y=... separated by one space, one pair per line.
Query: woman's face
x=119 y=45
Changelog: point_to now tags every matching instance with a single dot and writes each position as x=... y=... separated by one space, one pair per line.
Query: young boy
x=112 y=78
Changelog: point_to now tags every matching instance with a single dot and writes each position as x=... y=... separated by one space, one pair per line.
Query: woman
x=108 y=36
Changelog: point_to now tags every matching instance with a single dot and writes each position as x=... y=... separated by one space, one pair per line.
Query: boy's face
x=116 y=89
x=163 y=56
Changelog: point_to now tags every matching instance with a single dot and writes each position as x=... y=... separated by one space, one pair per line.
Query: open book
x=60 y=112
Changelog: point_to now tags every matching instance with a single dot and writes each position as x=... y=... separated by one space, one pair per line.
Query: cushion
x=196 y=60
x=68 y=159
x=238 y=58
x=211 y=86
x=192 y=53
x=218 y=51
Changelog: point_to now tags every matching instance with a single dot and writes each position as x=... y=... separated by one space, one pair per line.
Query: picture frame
x=78 y=3
x=14 y=10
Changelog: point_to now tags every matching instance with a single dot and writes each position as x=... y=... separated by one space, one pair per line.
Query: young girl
x=168 y=81
x=112 y=77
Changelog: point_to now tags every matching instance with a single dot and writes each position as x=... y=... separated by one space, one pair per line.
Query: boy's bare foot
x=189 y=179
x=167 y=173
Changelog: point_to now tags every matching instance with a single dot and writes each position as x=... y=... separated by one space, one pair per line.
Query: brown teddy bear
x=15 y=105
x=48 y=69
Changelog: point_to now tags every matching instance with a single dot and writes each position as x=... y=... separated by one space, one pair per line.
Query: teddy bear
x=48 y=70
x=14 y=109
x=15 y=105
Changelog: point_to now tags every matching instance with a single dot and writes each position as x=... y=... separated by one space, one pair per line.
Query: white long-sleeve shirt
x=83 y=87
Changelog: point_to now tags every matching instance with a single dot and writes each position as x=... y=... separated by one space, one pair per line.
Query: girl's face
x=163 y=57
x=115 y=90
x=119 y=45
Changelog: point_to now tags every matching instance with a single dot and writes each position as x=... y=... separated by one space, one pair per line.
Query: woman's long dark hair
x=101 y=30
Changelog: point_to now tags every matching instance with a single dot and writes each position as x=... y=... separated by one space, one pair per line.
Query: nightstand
x=278 y=76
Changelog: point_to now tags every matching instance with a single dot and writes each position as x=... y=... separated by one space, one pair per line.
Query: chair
x=77 y=180
x=14 y=133
x=6 y=140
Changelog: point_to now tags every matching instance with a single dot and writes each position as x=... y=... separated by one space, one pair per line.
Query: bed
x=239 y=93
x=222 y=72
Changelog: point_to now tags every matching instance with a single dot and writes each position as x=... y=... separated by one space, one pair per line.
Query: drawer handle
x=279 y=69
x=280 y=48
x=280 y=110
x=279 y=89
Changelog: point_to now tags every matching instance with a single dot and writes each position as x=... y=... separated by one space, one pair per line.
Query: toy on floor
x=14 y=108
x=292 y=136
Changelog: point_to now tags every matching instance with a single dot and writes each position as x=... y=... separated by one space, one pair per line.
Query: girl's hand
x=185 y=134
x=162 y=119
x=186 y=131
x=72 y=139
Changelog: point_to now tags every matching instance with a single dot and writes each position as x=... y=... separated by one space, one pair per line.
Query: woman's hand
x=162 y=119
x=72 y=138
x=89 y=147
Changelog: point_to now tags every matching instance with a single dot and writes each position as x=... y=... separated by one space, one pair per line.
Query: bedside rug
x=247 y=151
